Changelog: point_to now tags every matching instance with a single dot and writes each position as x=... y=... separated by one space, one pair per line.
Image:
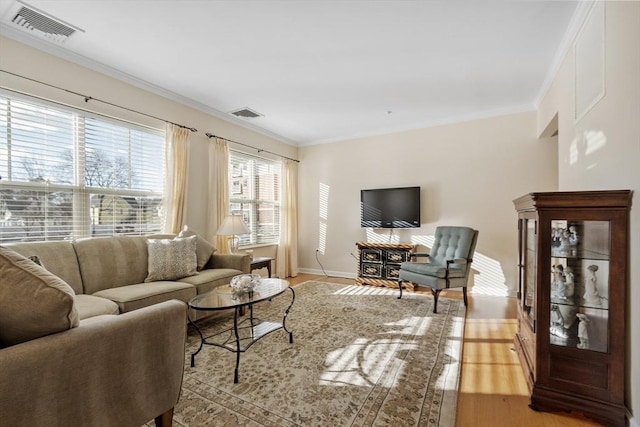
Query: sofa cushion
x=140 y=295
x=204 y=249
x=92 y=306
x=96 y=319
x=34 y=301
x=171 y=259
x=58 y=257
x=109 y=262
x=207 y=280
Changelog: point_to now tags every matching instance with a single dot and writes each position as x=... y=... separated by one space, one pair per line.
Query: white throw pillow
x=171 y=259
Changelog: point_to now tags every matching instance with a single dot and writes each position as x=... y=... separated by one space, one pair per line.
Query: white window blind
x=67 y=174
x=255 y=194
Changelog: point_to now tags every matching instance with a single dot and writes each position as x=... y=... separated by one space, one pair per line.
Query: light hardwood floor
x=493 y=390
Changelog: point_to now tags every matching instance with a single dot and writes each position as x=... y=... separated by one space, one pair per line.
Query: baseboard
x=340 y=274
x=633 y=421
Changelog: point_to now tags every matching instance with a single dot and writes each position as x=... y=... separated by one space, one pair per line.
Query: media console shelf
x=379 y=263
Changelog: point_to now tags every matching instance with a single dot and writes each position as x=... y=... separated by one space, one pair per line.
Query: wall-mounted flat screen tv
x=390 y=207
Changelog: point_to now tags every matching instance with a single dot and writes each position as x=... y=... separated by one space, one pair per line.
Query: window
x=68 y=174
x=255 y=194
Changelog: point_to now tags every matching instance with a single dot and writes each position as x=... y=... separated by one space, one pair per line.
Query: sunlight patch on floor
x=365 y=290
x=363 y=362
x=410 y=326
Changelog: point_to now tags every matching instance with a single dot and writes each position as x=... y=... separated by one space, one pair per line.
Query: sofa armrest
x=111 y=370
x=240 y=262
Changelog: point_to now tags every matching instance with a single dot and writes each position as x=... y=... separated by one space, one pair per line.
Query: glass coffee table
x=248 y=331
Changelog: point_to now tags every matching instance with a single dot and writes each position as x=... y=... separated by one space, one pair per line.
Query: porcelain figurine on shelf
x=565 y=242
x=562 y=291
x=558 y=283
x=573 y=236
x=568 y=309
x=569 y=284
x=557 y=323
x=583 y=332
x=592 y=297
x=555 y=236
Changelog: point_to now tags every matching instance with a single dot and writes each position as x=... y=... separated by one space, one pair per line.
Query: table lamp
x=232 y=226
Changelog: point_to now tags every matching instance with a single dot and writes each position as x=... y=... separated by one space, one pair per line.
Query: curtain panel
x=176 y=166
x=287 y=258
x=218 y=203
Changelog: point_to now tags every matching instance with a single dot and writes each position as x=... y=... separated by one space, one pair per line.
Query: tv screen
x=390 y=207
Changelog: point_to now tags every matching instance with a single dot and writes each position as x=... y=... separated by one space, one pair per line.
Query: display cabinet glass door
x=529 y=289
x=579 y=287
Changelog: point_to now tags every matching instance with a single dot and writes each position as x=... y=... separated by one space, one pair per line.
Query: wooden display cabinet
x=573 y=251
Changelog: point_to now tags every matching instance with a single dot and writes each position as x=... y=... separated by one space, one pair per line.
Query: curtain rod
x=88 y=98
x=260 y=150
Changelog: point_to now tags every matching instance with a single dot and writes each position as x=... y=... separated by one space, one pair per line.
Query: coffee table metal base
x=243 y=334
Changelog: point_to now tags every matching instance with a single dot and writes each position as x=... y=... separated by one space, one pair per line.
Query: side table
x=261 y=262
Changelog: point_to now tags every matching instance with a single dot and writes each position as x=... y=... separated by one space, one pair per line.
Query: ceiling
x=320 y=70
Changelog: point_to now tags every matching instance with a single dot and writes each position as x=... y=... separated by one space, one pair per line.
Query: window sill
x=258 y=245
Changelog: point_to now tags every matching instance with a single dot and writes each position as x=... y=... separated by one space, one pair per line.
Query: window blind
x=66 y=174
x=255 y=194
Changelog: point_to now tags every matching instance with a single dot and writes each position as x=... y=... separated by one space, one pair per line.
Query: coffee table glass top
x=224 y=297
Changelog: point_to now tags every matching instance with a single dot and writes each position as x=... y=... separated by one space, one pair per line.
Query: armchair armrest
x=418 y=254
x=240 y=262
x=462 y=261
x=111 y=370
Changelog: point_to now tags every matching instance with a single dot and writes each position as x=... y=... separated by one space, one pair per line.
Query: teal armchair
x=448 y=266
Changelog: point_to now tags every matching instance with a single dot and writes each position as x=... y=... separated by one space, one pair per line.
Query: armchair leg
x=400 y=287
x=436 y=294
x=165 y=419
x=464 y=295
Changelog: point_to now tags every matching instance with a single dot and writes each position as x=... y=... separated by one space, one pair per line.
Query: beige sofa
x=108 y=273
x=112 y=350
x=111 y=370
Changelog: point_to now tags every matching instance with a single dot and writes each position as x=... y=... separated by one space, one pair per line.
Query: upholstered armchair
x=449 y=263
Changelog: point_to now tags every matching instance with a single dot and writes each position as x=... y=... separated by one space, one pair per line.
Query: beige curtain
x=176 y=166
x=287 y=261
x=218 y=203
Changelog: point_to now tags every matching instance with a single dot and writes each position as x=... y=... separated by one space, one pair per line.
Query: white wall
x=469 y=174
x=602 y=150
x=32 y=63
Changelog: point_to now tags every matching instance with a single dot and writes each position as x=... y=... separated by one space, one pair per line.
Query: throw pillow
x=171 y=259
x=204 y=249
x=34 y=301
x=36 y=259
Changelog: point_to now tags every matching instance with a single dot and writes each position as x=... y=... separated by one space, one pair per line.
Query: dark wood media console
x=379 y=263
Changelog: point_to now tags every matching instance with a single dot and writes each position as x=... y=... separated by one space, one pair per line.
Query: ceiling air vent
x=246 y=113
x=38 y=23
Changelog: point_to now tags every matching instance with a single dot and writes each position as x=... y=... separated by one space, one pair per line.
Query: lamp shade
x=232 y=226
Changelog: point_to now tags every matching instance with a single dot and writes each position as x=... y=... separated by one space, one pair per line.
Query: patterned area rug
x=360 y=357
